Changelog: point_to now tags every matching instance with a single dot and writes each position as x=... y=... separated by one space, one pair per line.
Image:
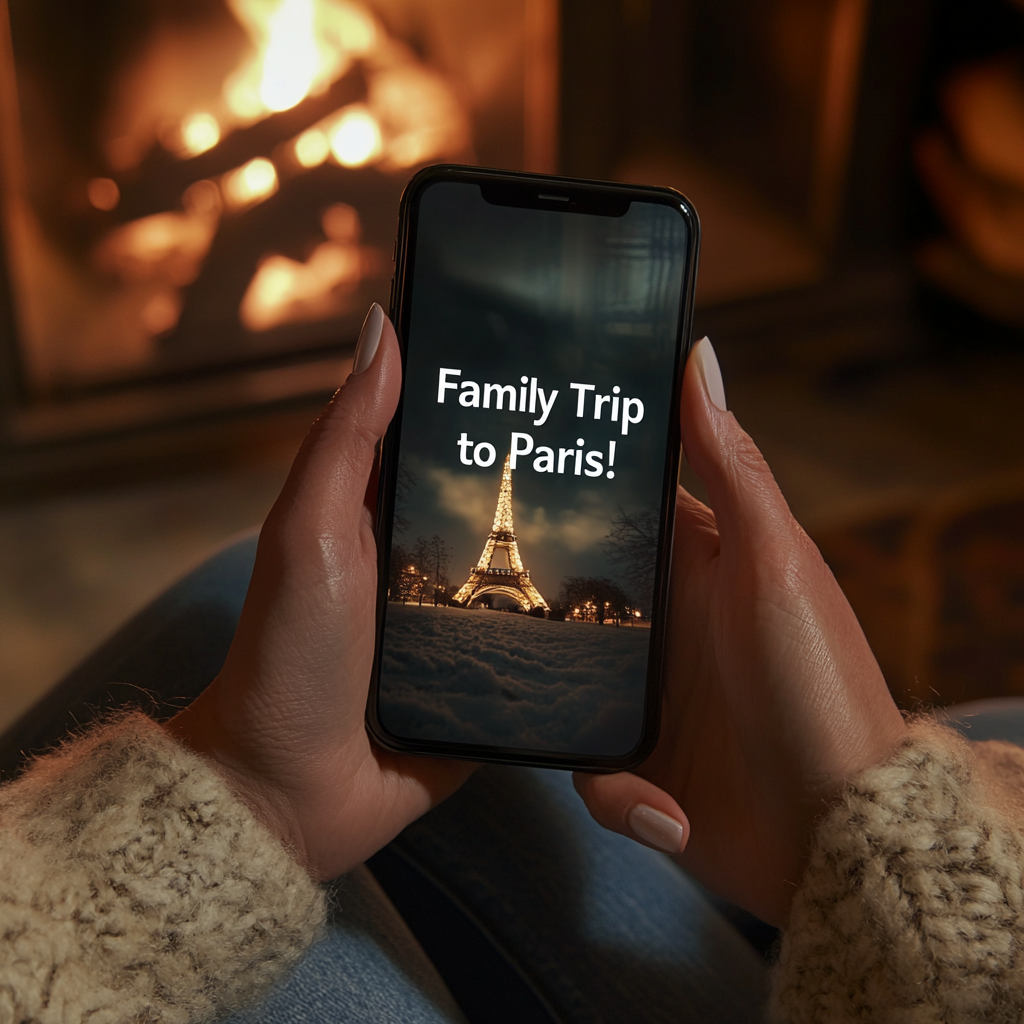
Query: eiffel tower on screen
x=486 y=578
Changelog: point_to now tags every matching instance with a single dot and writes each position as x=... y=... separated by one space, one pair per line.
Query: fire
x=355 y=137
x=292 y=56
x=251 y=183
x=167 y=245
x=312 y=148
x=199 y=132
x=419 y=113
x=284 y=291
x=161 y=313
x=300 y=47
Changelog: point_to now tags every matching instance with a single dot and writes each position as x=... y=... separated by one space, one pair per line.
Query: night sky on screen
x=501 y=293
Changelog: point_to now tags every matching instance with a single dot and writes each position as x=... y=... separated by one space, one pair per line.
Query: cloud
x=472 y=499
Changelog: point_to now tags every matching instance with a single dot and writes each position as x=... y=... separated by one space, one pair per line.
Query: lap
x=549 y=916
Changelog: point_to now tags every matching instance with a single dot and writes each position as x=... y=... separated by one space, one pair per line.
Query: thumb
x=636 y=808
x=310 y=605
x=327 y=484
x=750 y=510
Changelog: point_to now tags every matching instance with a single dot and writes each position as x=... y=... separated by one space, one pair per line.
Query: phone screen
x=534 y=468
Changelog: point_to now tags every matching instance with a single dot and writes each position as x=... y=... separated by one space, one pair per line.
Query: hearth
x=200 y=196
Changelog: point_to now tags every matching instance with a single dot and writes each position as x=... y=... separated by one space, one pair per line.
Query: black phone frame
x=573 y=195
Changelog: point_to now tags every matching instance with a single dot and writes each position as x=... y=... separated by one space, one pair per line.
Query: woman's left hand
x=772 y=697
x=284 y=719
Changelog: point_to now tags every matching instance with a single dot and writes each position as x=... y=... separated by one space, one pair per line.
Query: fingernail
x=656 y=828
x=369 y=339
x=710 y=372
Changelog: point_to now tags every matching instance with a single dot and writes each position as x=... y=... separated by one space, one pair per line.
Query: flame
x=419 y=115
x=251 y=183
x=355 y=136
x=165 y=246
x=285 y=291
x=411 y=117
x=199 y=132
x=292 y=56
x=341 y=223
x=202 y=199
x=300 y=47
x=311 y=148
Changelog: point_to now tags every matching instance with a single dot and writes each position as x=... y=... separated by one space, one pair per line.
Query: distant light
x=355 y=138
x=251 y=183
x=103 y=193
x=199 y=132
x=312 y=148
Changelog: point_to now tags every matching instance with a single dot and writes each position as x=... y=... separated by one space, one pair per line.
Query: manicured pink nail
x=656 y=828
x=369 y=339
x=710 y=372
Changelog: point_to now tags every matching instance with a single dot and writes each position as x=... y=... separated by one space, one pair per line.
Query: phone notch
x=580 y=198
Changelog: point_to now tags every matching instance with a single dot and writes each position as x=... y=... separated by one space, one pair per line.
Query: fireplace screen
x=200 y=184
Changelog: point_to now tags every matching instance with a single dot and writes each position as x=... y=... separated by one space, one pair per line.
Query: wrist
x=195 y=728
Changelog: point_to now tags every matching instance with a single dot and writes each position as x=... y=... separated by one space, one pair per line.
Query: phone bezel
x=582 y=196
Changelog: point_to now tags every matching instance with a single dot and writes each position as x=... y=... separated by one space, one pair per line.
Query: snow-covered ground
x=502 y=679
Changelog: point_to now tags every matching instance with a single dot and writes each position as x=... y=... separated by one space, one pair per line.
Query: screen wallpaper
x=541 y=348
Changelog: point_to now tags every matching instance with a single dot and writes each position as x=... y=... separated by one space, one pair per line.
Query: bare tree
x=405 y=483
x=594 y=599
x=405 y=580
x=632 y=547
x=433 y=557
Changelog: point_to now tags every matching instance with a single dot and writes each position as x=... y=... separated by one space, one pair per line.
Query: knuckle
x=745 y=458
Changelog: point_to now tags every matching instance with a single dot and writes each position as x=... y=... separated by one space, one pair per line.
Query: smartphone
x=527 y=481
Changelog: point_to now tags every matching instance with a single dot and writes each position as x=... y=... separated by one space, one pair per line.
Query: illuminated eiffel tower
x=485 y=578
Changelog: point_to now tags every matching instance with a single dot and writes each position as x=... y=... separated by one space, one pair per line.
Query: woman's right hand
x=772 y=696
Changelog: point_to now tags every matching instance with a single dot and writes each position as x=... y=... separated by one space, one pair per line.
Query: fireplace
x=200 y=196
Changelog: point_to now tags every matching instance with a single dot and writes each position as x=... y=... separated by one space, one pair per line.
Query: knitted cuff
x=910 y=908
x=135 y=886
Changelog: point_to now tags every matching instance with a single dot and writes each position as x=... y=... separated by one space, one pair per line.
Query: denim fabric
x=160 y=660
x=605 y=929
x=368 y=969
x=1000 y=718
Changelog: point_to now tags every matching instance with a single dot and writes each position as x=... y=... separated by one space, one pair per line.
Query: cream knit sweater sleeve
x=912 y=906
x=135 y=887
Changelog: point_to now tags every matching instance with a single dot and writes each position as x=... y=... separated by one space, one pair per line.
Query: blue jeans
x=506 y=903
